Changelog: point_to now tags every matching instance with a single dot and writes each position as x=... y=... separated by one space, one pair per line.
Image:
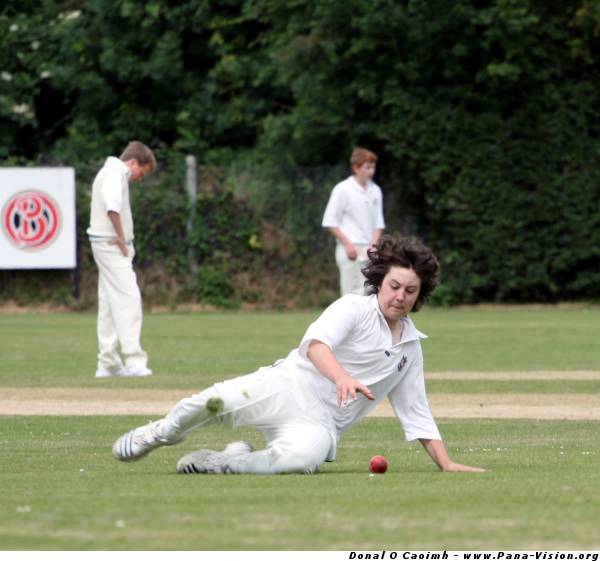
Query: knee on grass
x=303 y=457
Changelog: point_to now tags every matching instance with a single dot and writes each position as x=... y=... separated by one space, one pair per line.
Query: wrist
x=341 y=377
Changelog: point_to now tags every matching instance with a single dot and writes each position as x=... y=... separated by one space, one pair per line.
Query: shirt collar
x=410 y=333
x=358 y=186
x=119 y=164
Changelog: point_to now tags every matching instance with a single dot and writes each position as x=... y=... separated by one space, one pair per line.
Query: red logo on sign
x=31 y=219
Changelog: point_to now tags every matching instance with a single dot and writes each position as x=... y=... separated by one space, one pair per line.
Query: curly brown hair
x=407 y=252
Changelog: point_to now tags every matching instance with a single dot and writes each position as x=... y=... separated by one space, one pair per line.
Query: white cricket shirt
x=110 y=191
x=354 y=328
x=355 y=210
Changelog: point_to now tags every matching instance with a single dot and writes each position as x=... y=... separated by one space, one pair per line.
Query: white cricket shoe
x=211 y=461
x=136 y=443
x=103 y=372
x=136 y=370
x=238 y=447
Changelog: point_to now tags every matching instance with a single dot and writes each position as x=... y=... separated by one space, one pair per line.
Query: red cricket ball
x=378 y=464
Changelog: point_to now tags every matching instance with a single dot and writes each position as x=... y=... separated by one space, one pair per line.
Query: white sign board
x=37 y=213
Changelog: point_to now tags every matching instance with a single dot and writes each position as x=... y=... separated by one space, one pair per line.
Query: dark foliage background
x=485 y=115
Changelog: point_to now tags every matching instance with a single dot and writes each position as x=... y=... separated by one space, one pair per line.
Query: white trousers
x=351 y=279
x=119 y=307
x=294 y=423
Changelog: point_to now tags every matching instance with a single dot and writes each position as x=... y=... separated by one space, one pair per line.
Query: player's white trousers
x=297 y=430
x=352 y=281
x=119 y=307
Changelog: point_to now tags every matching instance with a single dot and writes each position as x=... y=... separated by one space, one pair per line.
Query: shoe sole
x=109 y=375
x=121 y=375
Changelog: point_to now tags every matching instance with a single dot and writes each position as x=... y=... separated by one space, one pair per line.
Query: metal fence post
x=191 y=183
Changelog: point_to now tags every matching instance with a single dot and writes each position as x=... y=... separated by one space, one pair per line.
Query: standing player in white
x=111 y=237
x=354 y=215
x=359 y=351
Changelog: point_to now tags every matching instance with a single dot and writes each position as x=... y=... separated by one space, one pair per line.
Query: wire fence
x=222 y=235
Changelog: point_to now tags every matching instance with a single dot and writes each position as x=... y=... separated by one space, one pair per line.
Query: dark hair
x=407 y=252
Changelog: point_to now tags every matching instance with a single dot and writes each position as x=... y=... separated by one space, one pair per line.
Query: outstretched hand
x=348 y=386
x=454 y=467
x=436 y=449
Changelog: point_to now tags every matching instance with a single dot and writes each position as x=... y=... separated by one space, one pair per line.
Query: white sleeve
x=409 y=402
x=333 y=325
x=379 y=221
x=112 y=193
x=335 y=208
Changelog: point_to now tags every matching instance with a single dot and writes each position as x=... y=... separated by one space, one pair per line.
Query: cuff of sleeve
x=433 y=435
x=303 y=348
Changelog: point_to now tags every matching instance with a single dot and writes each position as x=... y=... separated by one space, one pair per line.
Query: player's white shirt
x=355 y=210
x=110 y=191
x=360 y=338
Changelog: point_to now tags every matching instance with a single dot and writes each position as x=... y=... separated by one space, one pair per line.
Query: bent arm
x=437 y=452
x=345 y=241
x=115 y=219
x=326 y=363
x=377 y=233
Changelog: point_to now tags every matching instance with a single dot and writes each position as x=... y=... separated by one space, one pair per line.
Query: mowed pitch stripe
x=572 y=407
x=109 y=401
x=547 y=375
x=87 y=401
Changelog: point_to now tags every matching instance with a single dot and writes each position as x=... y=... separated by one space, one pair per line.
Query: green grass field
x=62 y=490
x=191 y=350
